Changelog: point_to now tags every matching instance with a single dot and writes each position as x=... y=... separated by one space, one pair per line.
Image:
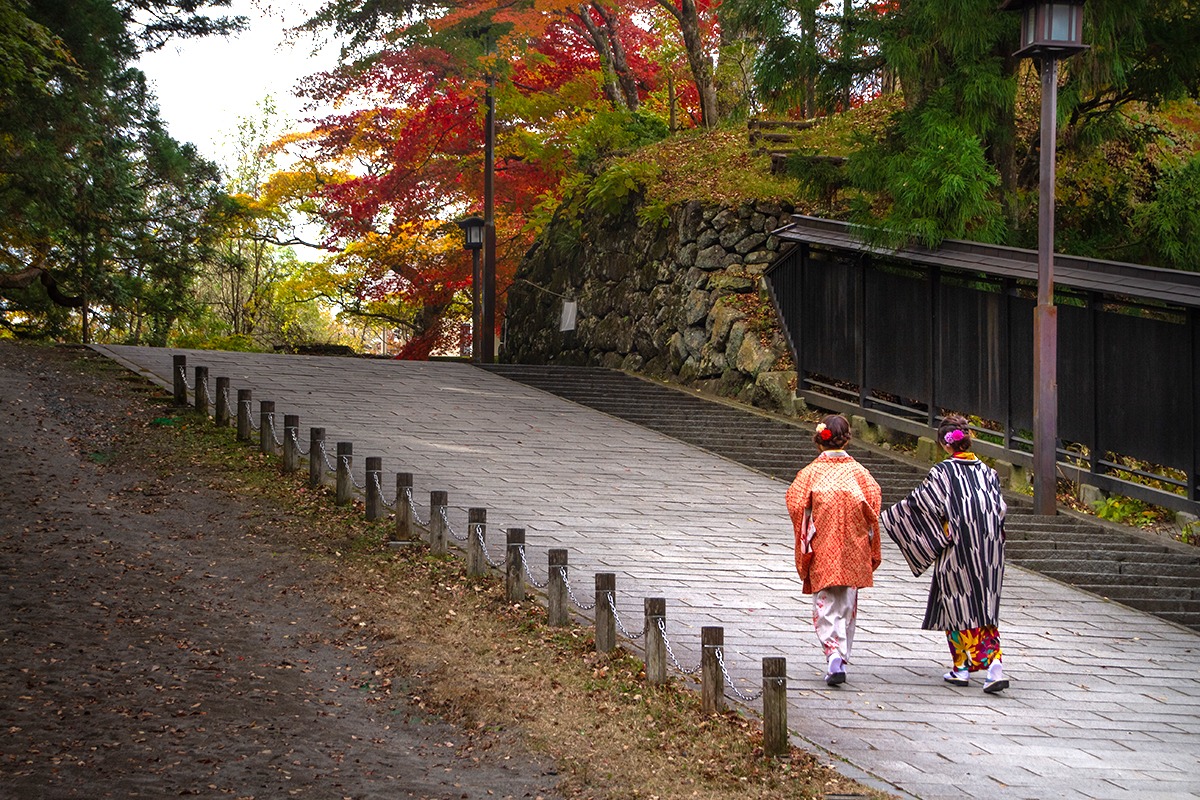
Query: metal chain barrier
x=250 y=414
x=296 y=442
x=225 y=396
x=271 y=428
x=412 y=507
x=662 y=629
x=529 y=575
x=571 y=594
x=357 y=485
x=478 y=526
x=612 y=603
x=450 y=528
x=183 y=375
x=379 y=488
x=748 y=698
x=325 y=457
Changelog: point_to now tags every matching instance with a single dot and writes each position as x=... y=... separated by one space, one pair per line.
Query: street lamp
x=473 y=233
x=1050 y=30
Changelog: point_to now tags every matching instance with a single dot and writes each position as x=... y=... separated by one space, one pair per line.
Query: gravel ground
x=158 y=639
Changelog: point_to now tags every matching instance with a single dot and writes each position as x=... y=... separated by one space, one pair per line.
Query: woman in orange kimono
x=834 y=504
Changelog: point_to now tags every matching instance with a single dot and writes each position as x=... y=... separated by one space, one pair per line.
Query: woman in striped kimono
x=955 y=520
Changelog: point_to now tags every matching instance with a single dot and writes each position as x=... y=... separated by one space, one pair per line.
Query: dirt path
x=156 y=640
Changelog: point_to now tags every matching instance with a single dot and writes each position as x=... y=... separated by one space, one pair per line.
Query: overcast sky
x=205 y=86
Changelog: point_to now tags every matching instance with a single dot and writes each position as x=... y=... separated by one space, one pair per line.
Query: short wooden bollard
x=243 y=415
x=291 y=442
x=202 y=402
x=606 y=621
x=179 y=379
x=558 y=612
x=316 y=459
x=266 y=427
x=345 y=461
x=221 y=414
x=712 y=679
x=775 y=725
x=374 y=488
x=476 y=541
x=514 y=562
x=438 y=500
x=405 y=525
x=656 y=645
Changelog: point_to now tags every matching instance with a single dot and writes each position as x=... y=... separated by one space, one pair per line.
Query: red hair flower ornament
x=953 y=437
x=824 y=432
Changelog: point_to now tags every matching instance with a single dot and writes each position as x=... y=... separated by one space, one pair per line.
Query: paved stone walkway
x=1105 y=700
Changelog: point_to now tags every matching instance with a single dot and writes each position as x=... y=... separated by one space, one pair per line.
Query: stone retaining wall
x=684 y=302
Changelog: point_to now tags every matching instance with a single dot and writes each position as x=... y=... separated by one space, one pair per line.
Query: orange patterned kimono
x=842 y=546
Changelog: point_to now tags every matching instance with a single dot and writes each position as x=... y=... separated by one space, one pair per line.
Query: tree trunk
x=600 y=44
x=620 y=63
x=698 y=60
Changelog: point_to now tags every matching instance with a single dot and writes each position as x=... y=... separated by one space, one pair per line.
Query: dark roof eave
x=1110 y=277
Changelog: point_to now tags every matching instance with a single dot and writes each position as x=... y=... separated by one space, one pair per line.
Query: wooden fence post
x=266 y=427
x=606 y=621
x=775 y=726
x=291 y=442
x=438 y=500
x=374 y=488
x=221 y=415
x=712 y=681
x=514 y=562
x=344 y=487
x=558 y=613
x=243 y=415
x=202 y=390
x=316 y=461
x=476 y=541
x=656 y=646
x=179 y=379
x=405 y=529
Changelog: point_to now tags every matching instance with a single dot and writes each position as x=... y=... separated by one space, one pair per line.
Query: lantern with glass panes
x=1051 y=28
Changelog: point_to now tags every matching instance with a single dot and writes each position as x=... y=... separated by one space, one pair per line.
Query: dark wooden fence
x=906 y=337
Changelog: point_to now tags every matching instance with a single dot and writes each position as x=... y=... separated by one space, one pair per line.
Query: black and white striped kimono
x=954 y=520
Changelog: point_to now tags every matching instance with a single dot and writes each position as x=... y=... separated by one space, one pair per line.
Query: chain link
x=571 y=594
x=662 y=629
x=296 y=442
x=183 y=375
x=250 y=414
x=529 y=575
x=379 y=489
x=748 y=698
x=271 y=428
x=325 y=457
x=225 y=395
x=478 y=526
x=408 y=497
x=346 y=461
x=612 y=604
x=450 y=528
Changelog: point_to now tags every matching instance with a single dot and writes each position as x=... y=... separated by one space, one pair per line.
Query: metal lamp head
x=1049 y=28
x=473 y=231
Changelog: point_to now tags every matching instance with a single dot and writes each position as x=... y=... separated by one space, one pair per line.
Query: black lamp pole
x=1050 y=29
x=487 y=352
x=473 y=232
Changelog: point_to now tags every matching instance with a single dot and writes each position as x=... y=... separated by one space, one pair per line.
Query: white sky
x=205 y=86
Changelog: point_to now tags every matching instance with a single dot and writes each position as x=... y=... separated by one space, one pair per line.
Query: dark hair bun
x=833 y=432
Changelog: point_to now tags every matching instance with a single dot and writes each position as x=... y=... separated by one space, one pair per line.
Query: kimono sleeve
x=916 y=523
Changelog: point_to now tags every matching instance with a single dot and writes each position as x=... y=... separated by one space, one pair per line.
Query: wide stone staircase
x=1154 y=575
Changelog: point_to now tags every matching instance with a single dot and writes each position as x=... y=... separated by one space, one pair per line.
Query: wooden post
x=438 y=501
x=476 y=541
x=221 y=415
x=345 y=460
x=656 y=646
x=712 y=681
x=556 y=589
x=374 y=488
x=179 y=379
x=775 y=726
x=316 y=462
x=266 y=427
x=243 y=415
x=291 y=442
x=202 y=390
x=606 y=621
x=514 y=574
x=405 y=525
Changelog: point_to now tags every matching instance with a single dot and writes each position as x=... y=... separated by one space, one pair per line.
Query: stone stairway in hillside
x=1159 y=577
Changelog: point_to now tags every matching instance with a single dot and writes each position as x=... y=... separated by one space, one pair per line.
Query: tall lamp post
x=473 y=234
x=1050 y=30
